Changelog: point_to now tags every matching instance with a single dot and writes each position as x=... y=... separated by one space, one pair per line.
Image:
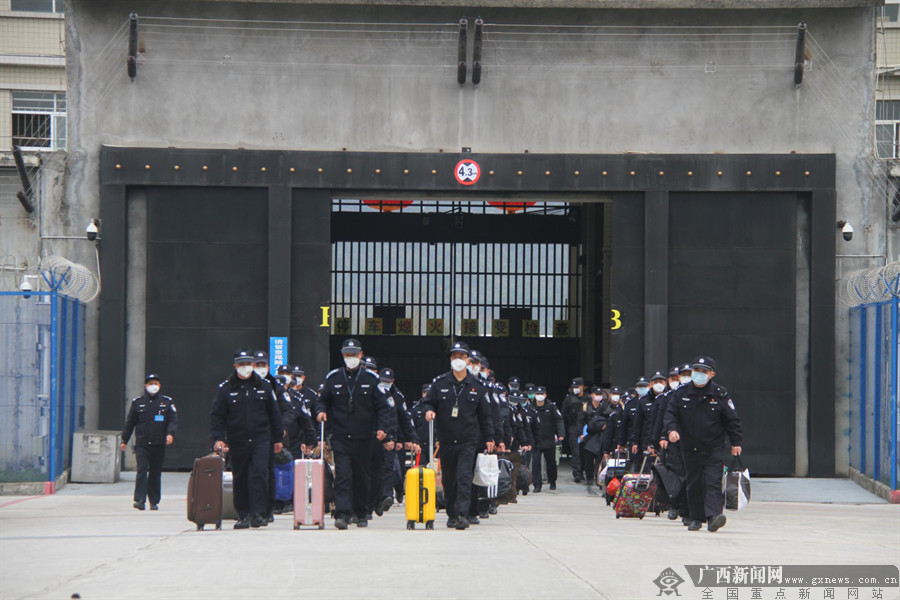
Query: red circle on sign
x=467 y=172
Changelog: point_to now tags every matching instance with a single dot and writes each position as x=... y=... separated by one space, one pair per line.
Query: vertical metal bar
x=62 y=386
x=74 y=370
x=863 y=380
x=461 y=51
x=895 y=398
x=132 y=45
x=54 y=397
x=799 y=53
x=476 y=52
x=452 y=248
x=876 y=421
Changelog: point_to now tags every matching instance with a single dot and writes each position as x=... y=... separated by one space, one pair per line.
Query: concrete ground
x=87 y=539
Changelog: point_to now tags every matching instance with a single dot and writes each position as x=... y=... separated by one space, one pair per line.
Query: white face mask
x=684 y=379
x=659 y=387
x=245 y=371
x=614 y=398
x=351 y=361
x=458 y=364
x=288 y=380
x=598 y=399
x=474 y=369
x=152 y=389
x=674 y=384
x=384 y=387
x=575 y=390
x=540 y=397
x=261 y=371
x=483 y=374
x=642 y=391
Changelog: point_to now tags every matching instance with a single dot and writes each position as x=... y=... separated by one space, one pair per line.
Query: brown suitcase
x=204 y=494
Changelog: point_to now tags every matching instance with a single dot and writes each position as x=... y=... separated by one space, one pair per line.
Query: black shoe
x=673 y=514
x=552 y=486
x=462 y=523
x=270 y=518
x=452 y=522
x=695 y=526
x=716 y=523
x=492 y=510
x=537 y=490
x=139 y=505
x=387 y=504
x=257 y=521
x=685 y=521
x=577 y=478
x=243 y=523
x=484 y=514
x=473 y=520
x=340 y=524
x=362 y=523
x=378 y=510
x=368 y=516
x=353 y=519
x=154 y=507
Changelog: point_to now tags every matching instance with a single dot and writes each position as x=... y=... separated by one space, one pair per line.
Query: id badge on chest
x=455 y=412
x=159 y=418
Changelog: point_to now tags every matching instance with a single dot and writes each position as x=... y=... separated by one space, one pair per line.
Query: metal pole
x=132 y=45
x=895 y=399
x=73 y=370
x=863 y=325
x=799 y=55
x=876 y=396
x=54 y=397
x=476 y=52
x=63 y=381
x=461 y=51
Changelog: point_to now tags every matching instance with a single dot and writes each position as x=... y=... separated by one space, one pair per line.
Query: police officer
x=592 y=421
x=245 y=421
x=357 y=411
x=699 y=416
x=646 y=423
x=572 y=406
x=613 y=423
x=399 y=434
x=670 y=453
x=154 y=420
x=628 y=430
x=456 y=401
x=549 y=429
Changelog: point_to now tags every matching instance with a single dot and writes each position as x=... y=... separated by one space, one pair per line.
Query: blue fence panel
x=41 y=383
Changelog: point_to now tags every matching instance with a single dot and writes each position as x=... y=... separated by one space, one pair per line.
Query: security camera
x=92 y=230
x=846 y=230
x=25 y=287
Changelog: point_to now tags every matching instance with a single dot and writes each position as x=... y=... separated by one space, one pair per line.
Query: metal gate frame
x=647 y=178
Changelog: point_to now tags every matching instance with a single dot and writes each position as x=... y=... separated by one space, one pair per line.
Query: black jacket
x=473 y=423
x=356 y=408
x=245 y=409
x=609 y=438
x=401 y=428
x=571 y=407
x=643 y=423
x=658 y=416
x=703 y=417
x=152 y=418
x=548 y=422
x=527 y=416
x=297 y=419
x=628 y=431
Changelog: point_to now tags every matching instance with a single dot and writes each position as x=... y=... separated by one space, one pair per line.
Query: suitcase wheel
x=410 y=524
x=219 y=525
x=199 y=527
x=429 y=525
x=296 y=526
x=617 y=516
x=322 y=525
x=524 y=492
x=641 y=517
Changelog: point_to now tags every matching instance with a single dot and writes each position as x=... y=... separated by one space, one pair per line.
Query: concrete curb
x=34 y=488
x=876 y=487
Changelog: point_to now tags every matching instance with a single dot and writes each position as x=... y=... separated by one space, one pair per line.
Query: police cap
x=151 y=377
x=351 y=346
x=577 y=381
x=476 y=356
x=685 y=368
x=386 y=375
x=460 y=347
x=705 y=363
x=371 y=363
x=658 y=375
x=514 y=381
x=642 y=381
x=243 y=356
x=284 y=369
x=540 y=390
x=298 y=371
x=261 y=356
x=597 y=390
x=674 y=371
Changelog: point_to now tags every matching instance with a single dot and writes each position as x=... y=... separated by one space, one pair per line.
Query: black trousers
x=376 y=476
x=148 y=482
x=457 y=469
x=352 y=461
x=675 y=461
x=250 y=464
x=549 y=455
x=703 y=468
x=393 y=474
x=591 y=464
x=574 y=431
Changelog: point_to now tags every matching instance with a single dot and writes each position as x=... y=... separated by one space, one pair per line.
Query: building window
x=38 y=5
x=887 y=128
x=39 y=120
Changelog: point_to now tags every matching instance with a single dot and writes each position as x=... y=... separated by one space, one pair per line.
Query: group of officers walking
x=682 y=417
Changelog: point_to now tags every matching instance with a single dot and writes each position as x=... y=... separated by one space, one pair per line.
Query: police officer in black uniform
x=628 y=430
x=699 y=416
x=609 y=438
x=245 y=414
x=592 y=422
x=357 y=412
x=572 y=406
x=154 y=420
x=457 y=402
x=549 y=429
x=645 y=422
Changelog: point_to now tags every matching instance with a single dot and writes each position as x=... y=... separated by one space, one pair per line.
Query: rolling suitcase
x=421 y=487
x=204 y=493
x=635 y=494
x=228 y=509
x=615 y=469
x=309 y=490
x=284 y=476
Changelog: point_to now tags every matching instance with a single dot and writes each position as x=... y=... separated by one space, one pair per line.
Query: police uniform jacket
x=548 y=422
x=151 y=418
x=628 y=432
x=587 y=413
x=571 y=408
x=473 y=423
x=643 y=422
x=598 y=423
x=609 y=437
x=703 y=417
x=244 y=410
x=526 y=415
x=297 y=419
x=401 y=429
x=658 y=416
x=510 y=425
x=356 y=408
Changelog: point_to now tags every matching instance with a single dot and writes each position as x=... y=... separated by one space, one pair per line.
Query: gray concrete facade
x=381 y=77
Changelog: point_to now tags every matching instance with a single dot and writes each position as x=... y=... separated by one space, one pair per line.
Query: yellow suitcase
x=420 y=498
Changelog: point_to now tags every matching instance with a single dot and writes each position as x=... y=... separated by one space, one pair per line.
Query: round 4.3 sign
x=467 y=171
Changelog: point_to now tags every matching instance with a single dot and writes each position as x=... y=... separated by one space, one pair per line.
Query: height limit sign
x=467 y=171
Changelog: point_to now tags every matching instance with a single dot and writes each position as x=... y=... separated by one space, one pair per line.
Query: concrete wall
x=389 y=89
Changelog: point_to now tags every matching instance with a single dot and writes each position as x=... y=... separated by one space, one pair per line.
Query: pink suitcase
x=309 y=490
x=635 y=494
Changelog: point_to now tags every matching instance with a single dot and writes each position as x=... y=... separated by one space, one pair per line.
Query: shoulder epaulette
x=332 y=372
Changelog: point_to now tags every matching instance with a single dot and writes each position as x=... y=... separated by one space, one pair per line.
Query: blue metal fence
x=41 y=383
x=875 y=355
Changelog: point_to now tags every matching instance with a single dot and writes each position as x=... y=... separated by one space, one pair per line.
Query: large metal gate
x=505 y=276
